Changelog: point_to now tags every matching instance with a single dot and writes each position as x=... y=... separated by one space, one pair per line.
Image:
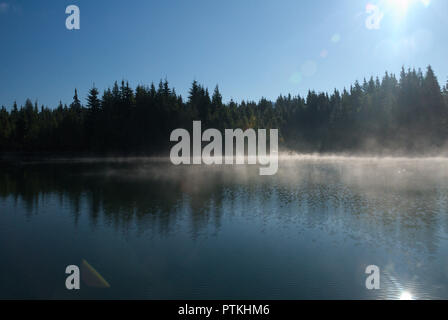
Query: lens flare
x=400 y=7
x=405 y=295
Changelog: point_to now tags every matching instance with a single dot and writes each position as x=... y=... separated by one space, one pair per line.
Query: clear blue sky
x=250 y=48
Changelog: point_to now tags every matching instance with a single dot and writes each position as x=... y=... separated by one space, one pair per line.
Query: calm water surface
x=155 y=231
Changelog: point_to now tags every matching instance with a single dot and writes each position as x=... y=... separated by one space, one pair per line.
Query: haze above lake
x=157 y=231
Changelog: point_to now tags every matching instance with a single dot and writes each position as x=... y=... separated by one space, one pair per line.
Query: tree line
x=408 y=114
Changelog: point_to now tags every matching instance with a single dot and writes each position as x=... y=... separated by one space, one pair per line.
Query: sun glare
x=405 y=295
x=401 y=7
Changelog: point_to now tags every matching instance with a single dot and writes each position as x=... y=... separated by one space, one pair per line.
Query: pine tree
x=76 y=104
x=217 y=98
x=92 y=120
x=93 y=102
x=5 y=129
x=445 y=94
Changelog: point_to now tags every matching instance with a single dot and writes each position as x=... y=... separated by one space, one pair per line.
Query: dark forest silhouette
x=409 y=114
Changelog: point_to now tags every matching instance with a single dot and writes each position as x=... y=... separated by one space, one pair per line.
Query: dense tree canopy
x=387 y=115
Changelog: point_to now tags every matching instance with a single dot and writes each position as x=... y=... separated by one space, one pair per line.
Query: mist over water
x=155 y=231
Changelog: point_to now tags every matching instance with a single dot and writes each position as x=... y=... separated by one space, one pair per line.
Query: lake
x=156 y=231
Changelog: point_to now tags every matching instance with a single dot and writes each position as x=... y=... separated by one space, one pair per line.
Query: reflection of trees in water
x=366 y=203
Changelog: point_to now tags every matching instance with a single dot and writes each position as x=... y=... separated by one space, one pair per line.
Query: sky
x=251 y=49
